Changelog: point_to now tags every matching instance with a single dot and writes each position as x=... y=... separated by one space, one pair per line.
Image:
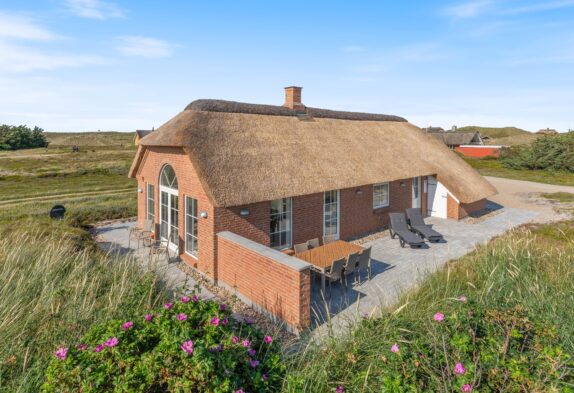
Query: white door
x=436 y=198
x=169 y=219
x=417 y=192
x=331 y=213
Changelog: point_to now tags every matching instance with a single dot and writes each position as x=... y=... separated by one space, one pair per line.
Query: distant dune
x=95 y=138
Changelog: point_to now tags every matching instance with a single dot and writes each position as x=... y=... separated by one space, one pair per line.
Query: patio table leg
x=323 y=282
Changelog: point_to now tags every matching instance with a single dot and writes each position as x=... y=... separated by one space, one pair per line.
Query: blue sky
x=78 y=65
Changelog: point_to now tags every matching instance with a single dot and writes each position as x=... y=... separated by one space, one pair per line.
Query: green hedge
x=553 y=152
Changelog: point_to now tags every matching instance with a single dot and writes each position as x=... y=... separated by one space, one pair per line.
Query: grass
x=530 y=267
x=506 y=136
x=493 y=167
x=55 y=285
x=563 y=197
x=91 y=184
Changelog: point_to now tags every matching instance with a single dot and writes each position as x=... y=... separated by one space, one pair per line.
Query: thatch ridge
x=275 y=110
x=247 y=158
x=455 y=138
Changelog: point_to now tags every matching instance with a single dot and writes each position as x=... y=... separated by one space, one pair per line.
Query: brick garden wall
x=457 y=212
x=271 y=280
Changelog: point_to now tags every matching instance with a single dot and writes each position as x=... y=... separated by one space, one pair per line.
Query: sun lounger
x=418 y=225
x=398 y=227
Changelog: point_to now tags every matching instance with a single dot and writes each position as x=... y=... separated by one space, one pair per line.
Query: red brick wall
x=458 y=211
x=188 y=185
x=274 y=286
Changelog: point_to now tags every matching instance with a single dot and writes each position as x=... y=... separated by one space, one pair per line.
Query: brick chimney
x=293 y=98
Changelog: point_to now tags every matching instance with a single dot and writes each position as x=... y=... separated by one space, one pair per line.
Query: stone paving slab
x=114 y=238
x=396 y=269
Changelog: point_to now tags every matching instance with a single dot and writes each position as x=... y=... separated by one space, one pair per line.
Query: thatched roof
x=252 y=153
x=142 y=133
x=457 y=138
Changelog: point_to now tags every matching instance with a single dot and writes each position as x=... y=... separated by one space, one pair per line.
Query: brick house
x=229 y=184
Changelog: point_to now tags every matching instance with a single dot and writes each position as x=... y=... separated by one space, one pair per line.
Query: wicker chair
x=364 y=263
x=158 y=247
x=329 y=239
x=313 y=243
x=351 y=265
x=335 y=273
x=140 y=234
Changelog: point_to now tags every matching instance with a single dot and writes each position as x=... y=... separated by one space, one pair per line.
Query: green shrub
x=189 y=345
x=21 y=137
x=555 y=153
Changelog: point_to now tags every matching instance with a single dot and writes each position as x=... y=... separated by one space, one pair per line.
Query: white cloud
x=17 y=58
x=470 y=9
x=144 y=47
x=354 y=49
x=95 y=9
x=22 y=27
x=546 y=6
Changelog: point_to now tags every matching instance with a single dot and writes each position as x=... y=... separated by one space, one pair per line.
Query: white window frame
x=289 y=229
x=188 y=214
x=338 y=196
x=149 y=197
x=387 y=204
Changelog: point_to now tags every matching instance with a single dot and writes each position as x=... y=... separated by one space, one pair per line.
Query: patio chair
x=313 y=243
x=351 y=265
x=364 y=263
x=329 y=239
x=300 y=247
x=398 y=227
x=140 y=234
x=335 y=273
x=417 y=224
x=158 y=247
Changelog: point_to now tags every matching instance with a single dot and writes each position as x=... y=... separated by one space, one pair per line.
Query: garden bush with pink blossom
x=188 y=345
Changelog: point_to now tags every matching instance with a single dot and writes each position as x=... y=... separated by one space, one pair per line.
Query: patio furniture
x=329 y=239
x=398 y=227
x=351 y=265
x=321 y=258
x=313 y=243
x=417 y=224
x=300 y=247
x=335 y=273
x=140 y=234
x=364 y=263
x=158 y=247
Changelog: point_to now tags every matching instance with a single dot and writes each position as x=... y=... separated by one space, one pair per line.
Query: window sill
x=380 y=209
x=191 y=255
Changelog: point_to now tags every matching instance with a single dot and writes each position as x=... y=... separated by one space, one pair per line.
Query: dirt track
x=526 y=195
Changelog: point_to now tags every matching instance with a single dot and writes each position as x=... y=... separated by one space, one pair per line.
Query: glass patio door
x=169 y=219
x=331 y=213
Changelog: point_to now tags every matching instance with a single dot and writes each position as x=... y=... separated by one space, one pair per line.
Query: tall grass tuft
x=52 y=289
x=520 y=289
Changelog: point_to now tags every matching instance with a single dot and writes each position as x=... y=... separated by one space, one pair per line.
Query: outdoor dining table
x=321 y=258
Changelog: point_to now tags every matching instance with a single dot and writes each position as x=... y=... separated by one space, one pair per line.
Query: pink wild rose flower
x=459 y=369
x=61 y=353
x=112 y=342
x=254 y=363
x=234 y=339
x=252 y=352
x=340 y=389
x=395 y=348
x=268 y=339
x=195 y=298
x=167 y=306
x=82 y=347
x=127 y=325
x=462 y=299
x=148 y=317
x=185 y=299
x=466 y=388
x=99 y=348
x=181 y=317
x=215 y=321
x=439 y=317
x=246 y=343
x=187 y=347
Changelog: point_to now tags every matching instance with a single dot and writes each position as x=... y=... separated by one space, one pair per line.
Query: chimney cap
x=293 y=87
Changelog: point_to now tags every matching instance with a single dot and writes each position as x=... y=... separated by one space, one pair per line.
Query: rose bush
x=188 y=345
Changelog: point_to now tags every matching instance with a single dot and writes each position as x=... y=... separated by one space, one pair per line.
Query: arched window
x=168 y=178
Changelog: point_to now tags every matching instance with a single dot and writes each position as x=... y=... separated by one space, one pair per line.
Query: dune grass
x=55 y=285
x=530 y=270
x=493 y=167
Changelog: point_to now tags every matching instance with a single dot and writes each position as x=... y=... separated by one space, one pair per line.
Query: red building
x=479 y=151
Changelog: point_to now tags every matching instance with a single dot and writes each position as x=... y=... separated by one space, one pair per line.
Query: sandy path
x=526 y=195
x=68 y=196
